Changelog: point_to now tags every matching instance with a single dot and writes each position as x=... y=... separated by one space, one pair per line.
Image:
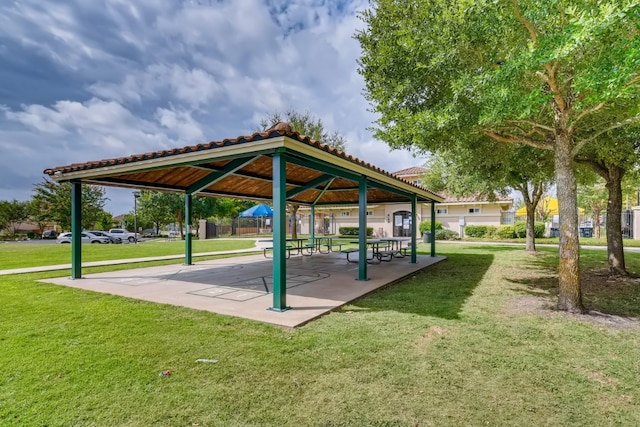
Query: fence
x=507 y=218
x=627 y=224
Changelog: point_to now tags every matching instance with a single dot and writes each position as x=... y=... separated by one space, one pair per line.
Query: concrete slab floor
x=243 y=286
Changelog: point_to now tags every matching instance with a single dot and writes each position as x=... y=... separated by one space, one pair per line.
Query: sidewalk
x=42 y=268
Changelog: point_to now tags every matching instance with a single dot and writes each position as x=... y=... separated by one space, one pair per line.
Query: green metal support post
x=188 y=245
x=433 y=228
x=362 y=234
x=279 y=163
x=76 y=230
x=414 y=228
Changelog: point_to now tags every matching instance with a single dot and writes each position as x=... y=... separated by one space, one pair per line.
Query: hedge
x=445 y=234
x=520 y=229
x=506 y=232
x=480 y=230
x=354 y=231
x=426 y=226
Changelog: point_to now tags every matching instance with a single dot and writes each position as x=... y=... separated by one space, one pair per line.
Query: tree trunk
x=531 y=202
x=615 y=248
x=531 y=219
x=294 y=221
x=596 y=222
x=569 y=289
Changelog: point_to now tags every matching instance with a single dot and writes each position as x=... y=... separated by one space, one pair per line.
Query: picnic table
x=293 y=244
x=394 y=244
x=376 y=255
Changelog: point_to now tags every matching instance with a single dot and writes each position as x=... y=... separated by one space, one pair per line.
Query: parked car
x=112 y=239
x=124 y=234
x=86 y=238
x=49 y=234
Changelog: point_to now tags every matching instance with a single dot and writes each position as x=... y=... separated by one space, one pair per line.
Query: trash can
x=586 y=232
x=426 y=237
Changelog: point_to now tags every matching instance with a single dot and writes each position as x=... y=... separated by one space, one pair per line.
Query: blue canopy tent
x=259 y=212
x=256 y=211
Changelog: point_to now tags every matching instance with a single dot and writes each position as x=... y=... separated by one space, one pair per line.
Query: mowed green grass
x=22 y=255
x=460 y=343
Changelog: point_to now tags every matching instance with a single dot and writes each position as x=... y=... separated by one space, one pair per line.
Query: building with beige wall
x=394 y=220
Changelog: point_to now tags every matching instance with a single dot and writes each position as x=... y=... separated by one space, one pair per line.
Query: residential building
x=394 y=220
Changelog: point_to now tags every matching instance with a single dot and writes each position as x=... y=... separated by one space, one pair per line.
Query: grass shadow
x=616 y=296
x=440 y=290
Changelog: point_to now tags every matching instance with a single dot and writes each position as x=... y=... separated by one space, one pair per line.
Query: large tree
x=488 y=167
x=612 y=156
x=154 y=210
x=552 y=75
x=12 y=215
x=53 y=201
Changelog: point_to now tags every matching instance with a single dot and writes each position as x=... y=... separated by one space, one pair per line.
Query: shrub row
x=518 y=230
x=480 y=230
x=444 y=234
x=354 y=231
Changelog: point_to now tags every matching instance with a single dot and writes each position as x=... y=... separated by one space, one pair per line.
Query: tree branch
x=524 y=21
x=583 y=114
x=597 y=166
x=580 y=144
x=552 y=81
x=533 y=124
x=542 y=76
x=516 y=139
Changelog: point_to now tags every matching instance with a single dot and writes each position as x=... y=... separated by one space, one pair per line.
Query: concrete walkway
x=58 y=267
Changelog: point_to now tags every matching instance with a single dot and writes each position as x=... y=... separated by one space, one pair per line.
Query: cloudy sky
x=87 y=80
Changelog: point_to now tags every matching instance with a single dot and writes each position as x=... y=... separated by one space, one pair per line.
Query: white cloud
x=102 y=128
x=194 y=87
x=181 y=123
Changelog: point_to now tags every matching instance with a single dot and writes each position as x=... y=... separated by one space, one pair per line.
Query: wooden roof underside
x=312 y=178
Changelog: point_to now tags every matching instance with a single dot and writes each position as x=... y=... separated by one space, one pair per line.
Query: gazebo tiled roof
x=411 y=171
x=242 y=167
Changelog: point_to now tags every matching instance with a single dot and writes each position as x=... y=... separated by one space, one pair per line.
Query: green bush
x=520 y=230
x=506 y=232
x=354 y=231
x=426 y=226
x=444 y=234
x=480 y=230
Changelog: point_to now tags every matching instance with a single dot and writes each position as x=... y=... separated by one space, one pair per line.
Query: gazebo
x=278 y=166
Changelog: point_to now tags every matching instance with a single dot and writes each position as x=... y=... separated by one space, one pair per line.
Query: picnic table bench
x=349 y=251
x=288 y=249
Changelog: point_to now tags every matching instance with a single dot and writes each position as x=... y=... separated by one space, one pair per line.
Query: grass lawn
x=468 y=342
x=22 y=255
x=584 y=241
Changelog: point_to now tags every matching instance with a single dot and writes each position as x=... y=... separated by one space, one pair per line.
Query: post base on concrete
x=279 y=310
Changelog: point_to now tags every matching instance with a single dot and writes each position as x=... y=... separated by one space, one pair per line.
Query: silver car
x=112 y=239
x=87 y=237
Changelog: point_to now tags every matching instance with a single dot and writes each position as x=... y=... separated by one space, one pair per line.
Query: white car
x=123 y=234
x=86 y=238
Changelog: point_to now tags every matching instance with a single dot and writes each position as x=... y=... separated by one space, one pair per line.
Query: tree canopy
x=52 y=201
x=306 y=124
